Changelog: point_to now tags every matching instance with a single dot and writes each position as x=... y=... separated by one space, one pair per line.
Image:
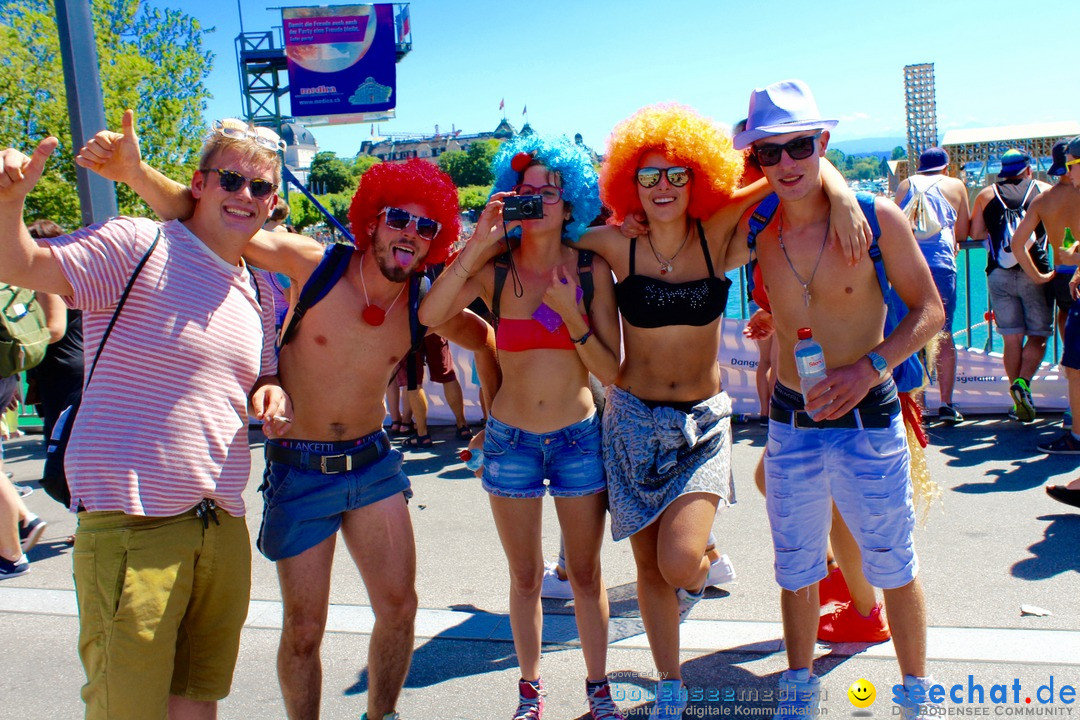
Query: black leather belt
x=878 y=417
x=330 y=463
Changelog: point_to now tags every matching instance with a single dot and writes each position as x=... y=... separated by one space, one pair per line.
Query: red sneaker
x=847 y=625
x=833 y=589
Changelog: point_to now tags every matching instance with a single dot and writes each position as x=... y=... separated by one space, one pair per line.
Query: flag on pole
x=502 y=103
x=525 y=110
x=403 y=24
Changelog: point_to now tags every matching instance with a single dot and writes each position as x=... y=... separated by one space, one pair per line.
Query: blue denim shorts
x=301 y=507
x=945 y=282
x=516 y=461
x=866 y=473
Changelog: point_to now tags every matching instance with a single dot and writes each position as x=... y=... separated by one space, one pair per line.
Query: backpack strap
x=585 y=277
x=866 y=204
x=418 y=287
x=335 y=261
x=759 y=219
x=762 y=216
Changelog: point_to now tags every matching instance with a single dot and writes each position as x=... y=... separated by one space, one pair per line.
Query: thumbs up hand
x=114 y=156
x=19 y=173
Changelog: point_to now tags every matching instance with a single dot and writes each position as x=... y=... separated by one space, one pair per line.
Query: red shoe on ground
x=847 y=625
x=833 y=589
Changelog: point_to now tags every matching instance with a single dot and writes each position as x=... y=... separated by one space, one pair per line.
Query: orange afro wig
x=414 y=181
x=682 y=136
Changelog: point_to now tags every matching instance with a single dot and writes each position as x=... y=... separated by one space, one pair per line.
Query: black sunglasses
x=398 y=219
x=768 y=154
x=676 y=176
x=231 y=181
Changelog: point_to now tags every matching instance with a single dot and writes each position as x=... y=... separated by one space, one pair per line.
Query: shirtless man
x=1058 y=210
x=337 y=366
x=855 y=451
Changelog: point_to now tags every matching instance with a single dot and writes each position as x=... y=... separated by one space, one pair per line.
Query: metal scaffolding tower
x=921 y=104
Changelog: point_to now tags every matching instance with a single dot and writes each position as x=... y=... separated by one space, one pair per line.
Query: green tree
x=134 y=43
x=899 y=152
x=473 y=197
x=472 y=166
x=360 y=165
x=836 y=157
x=329 y=173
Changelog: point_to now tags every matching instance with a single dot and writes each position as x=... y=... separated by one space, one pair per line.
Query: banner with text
x=341 y=61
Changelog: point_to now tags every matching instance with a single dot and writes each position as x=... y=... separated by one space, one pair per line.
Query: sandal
x=464 y=433
x=402 y=428
x=415 y=442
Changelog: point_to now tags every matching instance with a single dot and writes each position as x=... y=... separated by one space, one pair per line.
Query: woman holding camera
x=667 y=441
x=555 y=323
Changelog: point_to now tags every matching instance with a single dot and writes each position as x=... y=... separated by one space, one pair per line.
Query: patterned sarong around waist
x=654 y=455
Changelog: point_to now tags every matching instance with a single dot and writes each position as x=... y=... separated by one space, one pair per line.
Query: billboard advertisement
x=341 y=62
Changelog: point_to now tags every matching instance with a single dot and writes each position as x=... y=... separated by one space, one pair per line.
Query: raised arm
x=117 y=156
x=22 y=261
x=462 y=280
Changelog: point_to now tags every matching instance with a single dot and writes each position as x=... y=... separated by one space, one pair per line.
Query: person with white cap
x=845 y=443
x=1021 y=308
x=946 y=198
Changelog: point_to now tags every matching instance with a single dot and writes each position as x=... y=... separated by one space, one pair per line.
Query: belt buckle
x=327 y=471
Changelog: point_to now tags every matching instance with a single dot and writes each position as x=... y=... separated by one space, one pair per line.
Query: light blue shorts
x=866 y=473
x=517 y=461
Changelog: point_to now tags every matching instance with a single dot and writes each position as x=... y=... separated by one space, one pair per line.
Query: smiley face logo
x=862 y=693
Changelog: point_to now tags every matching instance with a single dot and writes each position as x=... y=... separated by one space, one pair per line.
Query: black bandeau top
x=646 y=302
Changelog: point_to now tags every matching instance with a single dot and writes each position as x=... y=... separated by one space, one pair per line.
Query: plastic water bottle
x=473 y=459
x=810 y=362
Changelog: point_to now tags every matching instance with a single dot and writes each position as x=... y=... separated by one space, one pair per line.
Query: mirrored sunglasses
x=234 y=128
x=232 y=181
x=398 y=219
x=768 y=154
x=677 y=176
x=548 y=193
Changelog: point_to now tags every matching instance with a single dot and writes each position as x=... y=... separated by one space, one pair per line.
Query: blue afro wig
x=580 y=185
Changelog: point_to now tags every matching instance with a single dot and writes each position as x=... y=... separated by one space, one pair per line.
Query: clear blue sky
x=583 y=65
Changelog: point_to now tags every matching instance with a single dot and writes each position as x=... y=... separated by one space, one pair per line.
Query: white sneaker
x=721 y=572
x=911 y=710
x=554 y=587
x=670 y=700
x=687 y=601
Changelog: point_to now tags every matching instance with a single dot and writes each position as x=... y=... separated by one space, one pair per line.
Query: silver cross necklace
x=805 y=283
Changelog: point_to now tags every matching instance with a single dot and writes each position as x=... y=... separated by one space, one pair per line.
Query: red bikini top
x=518 y=334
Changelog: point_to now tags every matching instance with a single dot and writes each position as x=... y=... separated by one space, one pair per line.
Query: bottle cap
x=805 y=334
x=465 y=456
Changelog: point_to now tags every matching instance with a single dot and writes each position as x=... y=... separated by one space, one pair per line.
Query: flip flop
x=417 y=442
x=464 y=433
x=403 y=429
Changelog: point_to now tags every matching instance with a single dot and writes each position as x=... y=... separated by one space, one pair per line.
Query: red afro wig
x=414 y=181
x=682 y=136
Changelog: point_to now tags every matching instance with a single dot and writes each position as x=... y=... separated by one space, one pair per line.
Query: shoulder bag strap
x=120 y=306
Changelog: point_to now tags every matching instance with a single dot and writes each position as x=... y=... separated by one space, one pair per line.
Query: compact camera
x=523 y=207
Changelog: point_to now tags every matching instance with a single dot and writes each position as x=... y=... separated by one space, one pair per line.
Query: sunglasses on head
x=768 y=154
x=676 y=176
x=548 y=193
x=398 y=219
x=265 y=137
x=232 y=181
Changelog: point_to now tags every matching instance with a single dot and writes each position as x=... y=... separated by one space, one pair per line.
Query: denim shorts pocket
x=884 y=442
x=495 y=442
x=588 y=442
x=276 y=481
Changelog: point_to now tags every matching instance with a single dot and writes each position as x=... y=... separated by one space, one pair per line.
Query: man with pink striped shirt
x=333 y=470
x=158 y=456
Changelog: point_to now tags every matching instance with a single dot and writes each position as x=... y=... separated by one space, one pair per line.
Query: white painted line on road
x=952 y=644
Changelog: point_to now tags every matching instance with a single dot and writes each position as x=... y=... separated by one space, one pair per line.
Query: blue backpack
x=910 y=373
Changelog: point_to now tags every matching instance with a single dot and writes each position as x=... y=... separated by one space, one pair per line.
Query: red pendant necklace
x=373 y=314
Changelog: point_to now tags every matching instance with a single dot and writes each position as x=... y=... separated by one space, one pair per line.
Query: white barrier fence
x=981 y=385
